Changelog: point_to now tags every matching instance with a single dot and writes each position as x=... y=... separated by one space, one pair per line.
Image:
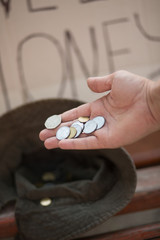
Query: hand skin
x=131 y=109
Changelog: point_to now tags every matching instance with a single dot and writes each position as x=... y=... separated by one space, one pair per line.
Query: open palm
x=125 y=108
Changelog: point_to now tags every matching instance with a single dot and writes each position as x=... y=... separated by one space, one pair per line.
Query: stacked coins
x=82 y=125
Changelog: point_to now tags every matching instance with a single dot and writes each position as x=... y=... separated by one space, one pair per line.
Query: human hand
x=126 y=109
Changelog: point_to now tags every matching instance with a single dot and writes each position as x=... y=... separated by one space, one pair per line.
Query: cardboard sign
x=48 y=48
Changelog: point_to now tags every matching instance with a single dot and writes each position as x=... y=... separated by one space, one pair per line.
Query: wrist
x=153 y=97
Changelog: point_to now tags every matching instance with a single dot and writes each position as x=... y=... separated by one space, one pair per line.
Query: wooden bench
x=146 y=155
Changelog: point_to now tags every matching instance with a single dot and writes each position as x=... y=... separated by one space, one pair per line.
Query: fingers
x=85 y=142
x=48 y=133
x=51 y=143
x=67 y=118
x=89 y=142
x=100 y=84
x=73 y=114
x=45 y=133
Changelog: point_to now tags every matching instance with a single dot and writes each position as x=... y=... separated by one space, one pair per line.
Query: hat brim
x=16 y=126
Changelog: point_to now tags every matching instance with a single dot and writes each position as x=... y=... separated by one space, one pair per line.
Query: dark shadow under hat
x=59 y=194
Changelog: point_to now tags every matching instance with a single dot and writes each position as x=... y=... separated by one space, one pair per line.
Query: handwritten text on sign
x=83 y=45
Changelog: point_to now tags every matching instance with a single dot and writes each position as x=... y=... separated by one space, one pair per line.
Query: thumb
x=100 y=84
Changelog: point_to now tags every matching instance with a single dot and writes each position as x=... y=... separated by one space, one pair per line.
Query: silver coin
x=63 y=133
x=100 y=121
x=79 y=123
x=90 y=126
x=53 y=121
x=79 y=130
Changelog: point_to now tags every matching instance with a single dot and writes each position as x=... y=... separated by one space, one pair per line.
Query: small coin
x=45 y=202
x=79 y=123
x=53 y=121
x=78 y=129
x=90 y=127
x=73 y=132
x=48 y=176
x=63 y=133
x=100 y=121
x=83 y=119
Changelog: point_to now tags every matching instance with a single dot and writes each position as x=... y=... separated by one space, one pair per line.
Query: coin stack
x=82 y=125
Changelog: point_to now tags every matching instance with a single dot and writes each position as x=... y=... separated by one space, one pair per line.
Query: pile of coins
x=82 y=125
x=50 y=179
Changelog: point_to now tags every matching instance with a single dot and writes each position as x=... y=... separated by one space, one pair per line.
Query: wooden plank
x=147 y=195
x=142 y=201
x=147 y=232
x=148 y=179
x=8 y=226
x=146 y=152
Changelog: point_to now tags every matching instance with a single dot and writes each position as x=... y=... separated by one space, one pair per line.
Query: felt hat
x=86 y=187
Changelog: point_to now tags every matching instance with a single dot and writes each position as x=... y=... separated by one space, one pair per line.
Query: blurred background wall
x=48 y=48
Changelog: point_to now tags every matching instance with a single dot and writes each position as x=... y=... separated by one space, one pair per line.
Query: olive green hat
x=85 y=187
